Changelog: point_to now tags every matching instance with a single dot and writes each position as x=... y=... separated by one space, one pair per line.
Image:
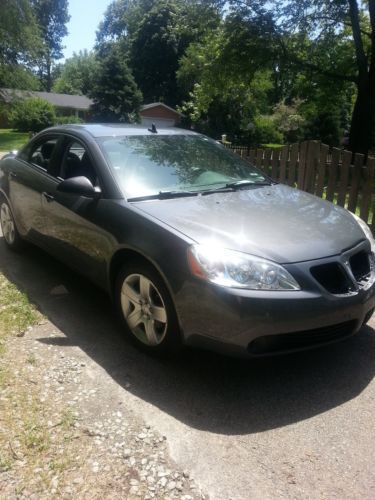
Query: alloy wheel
x=144 y=309
x=7 y=224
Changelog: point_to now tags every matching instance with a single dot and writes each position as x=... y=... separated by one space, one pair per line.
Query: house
x=65 y=104
x=160 y=114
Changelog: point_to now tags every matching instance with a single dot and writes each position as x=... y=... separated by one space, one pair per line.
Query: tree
x=334 y=39
x=155 y=34
x=19 y=32
x=114 y=24
x=77 y=75
x=221 y=97
x=155 y=54
x=115 y=94
x=52 y=16
x=18 y=76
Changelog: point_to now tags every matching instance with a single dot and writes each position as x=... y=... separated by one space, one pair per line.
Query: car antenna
x=153 y=129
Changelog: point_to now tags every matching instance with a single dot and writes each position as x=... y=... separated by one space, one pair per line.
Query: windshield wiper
x=232 y=186
x=164 y=195
x=245 y=182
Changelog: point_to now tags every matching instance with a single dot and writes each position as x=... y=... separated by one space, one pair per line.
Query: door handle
x=12 y=175
x=48 y=197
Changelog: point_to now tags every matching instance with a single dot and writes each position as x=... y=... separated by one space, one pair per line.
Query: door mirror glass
x=80 y=186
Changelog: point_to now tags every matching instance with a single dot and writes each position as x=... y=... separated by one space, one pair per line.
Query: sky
x=85 y=18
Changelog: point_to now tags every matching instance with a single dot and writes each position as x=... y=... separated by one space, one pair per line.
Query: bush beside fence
x=331 y=173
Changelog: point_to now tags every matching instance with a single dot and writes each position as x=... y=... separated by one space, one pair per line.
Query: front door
x=74 y=234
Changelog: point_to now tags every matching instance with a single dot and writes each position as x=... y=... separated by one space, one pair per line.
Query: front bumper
x=258 y=323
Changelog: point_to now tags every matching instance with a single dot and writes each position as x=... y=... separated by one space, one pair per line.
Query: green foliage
x=67 y=120
x=17 y=76
x=162 y=36
x=77 y=75
x=222 y=100
x=265 y=131
x=114 y=24
x=52 y=16
x=20 y=43
x=286 y=70
x=20 y=39
x=154 y=54
x=32 y=114
x=155 y=34
x=115 y=94
x=324 y=124
x=305 y=48
x=288 y=121
x=123 y=18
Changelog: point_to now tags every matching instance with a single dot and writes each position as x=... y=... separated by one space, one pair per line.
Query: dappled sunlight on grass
x=10 y=139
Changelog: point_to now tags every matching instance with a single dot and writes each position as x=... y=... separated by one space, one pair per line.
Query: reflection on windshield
x=146 y=165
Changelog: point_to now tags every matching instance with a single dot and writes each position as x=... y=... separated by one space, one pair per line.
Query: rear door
x=28 y=181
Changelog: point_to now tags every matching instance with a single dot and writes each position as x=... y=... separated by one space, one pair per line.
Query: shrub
x=33 y=114
x=67 y=120
x=265 y=131
x=289 y=121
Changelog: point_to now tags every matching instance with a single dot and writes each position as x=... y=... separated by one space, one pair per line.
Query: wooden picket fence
x=330 y=173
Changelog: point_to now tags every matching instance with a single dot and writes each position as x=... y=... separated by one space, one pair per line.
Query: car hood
x=276 y=222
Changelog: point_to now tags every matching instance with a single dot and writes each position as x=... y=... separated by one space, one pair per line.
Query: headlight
x=367 y=231
x=238 y=270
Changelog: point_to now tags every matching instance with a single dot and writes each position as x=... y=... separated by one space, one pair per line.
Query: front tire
x=11 y=235
x=146 y=309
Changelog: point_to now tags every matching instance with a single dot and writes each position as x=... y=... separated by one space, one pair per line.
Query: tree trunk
x=48 y=75
x=362 y=130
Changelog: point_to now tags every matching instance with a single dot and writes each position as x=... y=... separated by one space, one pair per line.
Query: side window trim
x=69 y=140
x=55 y=162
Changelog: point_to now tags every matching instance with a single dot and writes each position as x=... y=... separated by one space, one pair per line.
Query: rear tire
x=146 y=309
x=11 y=235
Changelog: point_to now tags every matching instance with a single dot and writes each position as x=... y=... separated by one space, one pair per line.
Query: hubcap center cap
x=146 y=309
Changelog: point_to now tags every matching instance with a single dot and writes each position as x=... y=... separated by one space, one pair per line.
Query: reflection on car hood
x=277 y=222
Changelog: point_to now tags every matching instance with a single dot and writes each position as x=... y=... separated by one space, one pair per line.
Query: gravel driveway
x=298 y=426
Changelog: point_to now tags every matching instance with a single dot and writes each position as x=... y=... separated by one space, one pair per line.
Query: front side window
x=77 y=163
x=41 y=153
x=147 y=165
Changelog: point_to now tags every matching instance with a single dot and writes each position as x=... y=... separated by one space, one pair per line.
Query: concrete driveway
x=298 y=426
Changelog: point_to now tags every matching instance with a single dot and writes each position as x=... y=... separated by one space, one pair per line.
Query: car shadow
x=201 y=389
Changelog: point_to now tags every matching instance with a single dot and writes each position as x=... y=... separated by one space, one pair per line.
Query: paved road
x=292 y=427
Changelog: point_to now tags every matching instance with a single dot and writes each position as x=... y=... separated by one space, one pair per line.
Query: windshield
x=148 y=165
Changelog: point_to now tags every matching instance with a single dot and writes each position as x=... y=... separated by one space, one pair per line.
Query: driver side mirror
x=80 y=186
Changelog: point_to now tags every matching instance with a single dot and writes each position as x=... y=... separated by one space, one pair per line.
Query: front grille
x=360 y=265
x=273 y=344
x=333 y=278
x=340 y=279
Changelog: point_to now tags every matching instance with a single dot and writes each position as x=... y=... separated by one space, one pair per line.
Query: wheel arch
x=124 y=255
x=4 y=195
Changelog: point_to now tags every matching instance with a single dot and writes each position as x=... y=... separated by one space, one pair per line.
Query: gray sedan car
x=195 y=246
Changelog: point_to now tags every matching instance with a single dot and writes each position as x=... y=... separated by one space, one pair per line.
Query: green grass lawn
x=271 y=145
x=10 y=139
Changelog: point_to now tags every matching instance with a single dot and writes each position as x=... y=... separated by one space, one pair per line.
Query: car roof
x=114 y=129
